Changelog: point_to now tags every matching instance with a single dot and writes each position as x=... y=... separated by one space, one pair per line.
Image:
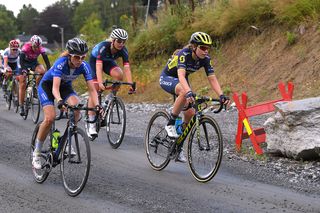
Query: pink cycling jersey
x=32 y=55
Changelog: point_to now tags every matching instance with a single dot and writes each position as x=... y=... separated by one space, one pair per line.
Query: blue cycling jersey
x=184 y=60
x=61 y=69
x=102 y=51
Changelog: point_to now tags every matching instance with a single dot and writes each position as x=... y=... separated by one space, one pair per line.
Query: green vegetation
x=291 y=38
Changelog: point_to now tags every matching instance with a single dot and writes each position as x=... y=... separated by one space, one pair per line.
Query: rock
x=294 y=130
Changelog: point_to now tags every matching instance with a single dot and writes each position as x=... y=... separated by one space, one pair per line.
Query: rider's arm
x=215 y=84
x=5 y=61
x=127 y=72
x=183 y=80
x=55 y=88
x=22 y=57
x=46 y=60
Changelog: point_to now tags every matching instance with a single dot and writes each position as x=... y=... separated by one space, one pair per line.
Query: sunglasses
x=14 y=49
x=204 y=48
x=120 y=41
x=78 y=57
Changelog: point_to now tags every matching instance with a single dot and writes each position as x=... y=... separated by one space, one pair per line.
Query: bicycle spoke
x=205 y=149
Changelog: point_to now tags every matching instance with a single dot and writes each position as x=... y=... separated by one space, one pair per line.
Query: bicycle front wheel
x=75 y=162
x=116 y=122
x=157 y=142
x=15 y=95
x=40 y=175
x=8 y=95
x=205 y=147
x=26 y=108
x=35 y=105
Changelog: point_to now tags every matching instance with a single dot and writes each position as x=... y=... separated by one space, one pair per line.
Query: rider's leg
x=41 y=70
x=22 y=92
x=92 y=126
x=49 y=116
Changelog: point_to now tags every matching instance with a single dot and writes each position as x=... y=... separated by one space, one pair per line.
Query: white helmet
x=36 y=41
x=119 y=34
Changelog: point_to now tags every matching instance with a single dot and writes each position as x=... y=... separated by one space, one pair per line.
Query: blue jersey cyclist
x=174 y=79
x=103 y=58
x=57 y=84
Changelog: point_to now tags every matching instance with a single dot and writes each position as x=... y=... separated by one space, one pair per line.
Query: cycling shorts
x=46 y=96
x=107 y=66
x=25 y=65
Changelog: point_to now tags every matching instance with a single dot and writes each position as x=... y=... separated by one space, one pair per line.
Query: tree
x=59 y=13
x=92 y=31
x=8 y=26
x=27 y=18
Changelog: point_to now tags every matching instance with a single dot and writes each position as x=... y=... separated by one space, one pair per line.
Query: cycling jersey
x=62 y=70
x=12 y=56
x=102 y=53
x=30 y=54
x=184 y=60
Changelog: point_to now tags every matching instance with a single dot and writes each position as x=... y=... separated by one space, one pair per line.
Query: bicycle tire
x=201 y=154
x=74 y=183
x=26 y=108
x=15 y=95
x=157 y=144
x=9 y=98
x=40 y=175
x=35 y=105
x=116 y=121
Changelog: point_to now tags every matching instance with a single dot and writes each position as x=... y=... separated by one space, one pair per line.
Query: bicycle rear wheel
x=75 y=168
x=8 y=95
x=15 y=95
x=40 y=175
x=157 y=142
x=116 y=122
x=205 y=147
x=26 y=108
x=35 y=105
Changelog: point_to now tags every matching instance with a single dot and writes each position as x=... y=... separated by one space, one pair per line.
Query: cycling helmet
x=77 y=46
x=14 y=44
x=36 y=41
x=200 y=38
x=119 y=34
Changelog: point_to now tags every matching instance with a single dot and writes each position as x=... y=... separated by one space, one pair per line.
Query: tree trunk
x=134 y=15
x=191 y=2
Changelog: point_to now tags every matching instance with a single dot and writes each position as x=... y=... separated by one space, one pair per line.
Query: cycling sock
x=38 y=145
x=172 y=119
x=91 y=117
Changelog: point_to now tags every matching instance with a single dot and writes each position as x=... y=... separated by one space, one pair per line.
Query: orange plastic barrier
x=258 y=135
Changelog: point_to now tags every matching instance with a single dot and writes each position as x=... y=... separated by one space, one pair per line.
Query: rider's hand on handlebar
x=61 y=105
x=132 y=90
x=101 y=86
x=189 y=96
x=225 y=100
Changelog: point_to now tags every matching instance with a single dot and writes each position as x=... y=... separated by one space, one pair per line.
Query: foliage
x=26 y=19
x=91 y=30
x=291 y=38
x=8 y=27
x=292 y=13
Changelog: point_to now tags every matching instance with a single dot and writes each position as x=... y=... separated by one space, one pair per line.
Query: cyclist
x=29 y=60
x=57 y=84
x=11 y=60
x=102 y=59
x=174 y=79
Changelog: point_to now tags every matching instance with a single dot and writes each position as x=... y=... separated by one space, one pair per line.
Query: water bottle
x=55 y=139
x=178 y=125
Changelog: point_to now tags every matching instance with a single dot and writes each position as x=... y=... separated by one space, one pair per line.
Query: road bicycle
x=113 y=114
x=10 y=91
x=205 y=144
x=74 y=168
x=31 y=99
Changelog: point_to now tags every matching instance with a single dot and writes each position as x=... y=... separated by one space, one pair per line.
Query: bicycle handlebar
x=203 y=99
x=117 y=83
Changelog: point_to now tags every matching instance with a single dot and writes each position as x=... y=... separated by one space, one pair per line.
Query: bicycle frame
x=196 y=117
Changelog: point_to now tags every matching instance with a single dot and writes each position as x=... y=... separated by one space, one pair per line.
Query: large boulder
x=294 y=130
